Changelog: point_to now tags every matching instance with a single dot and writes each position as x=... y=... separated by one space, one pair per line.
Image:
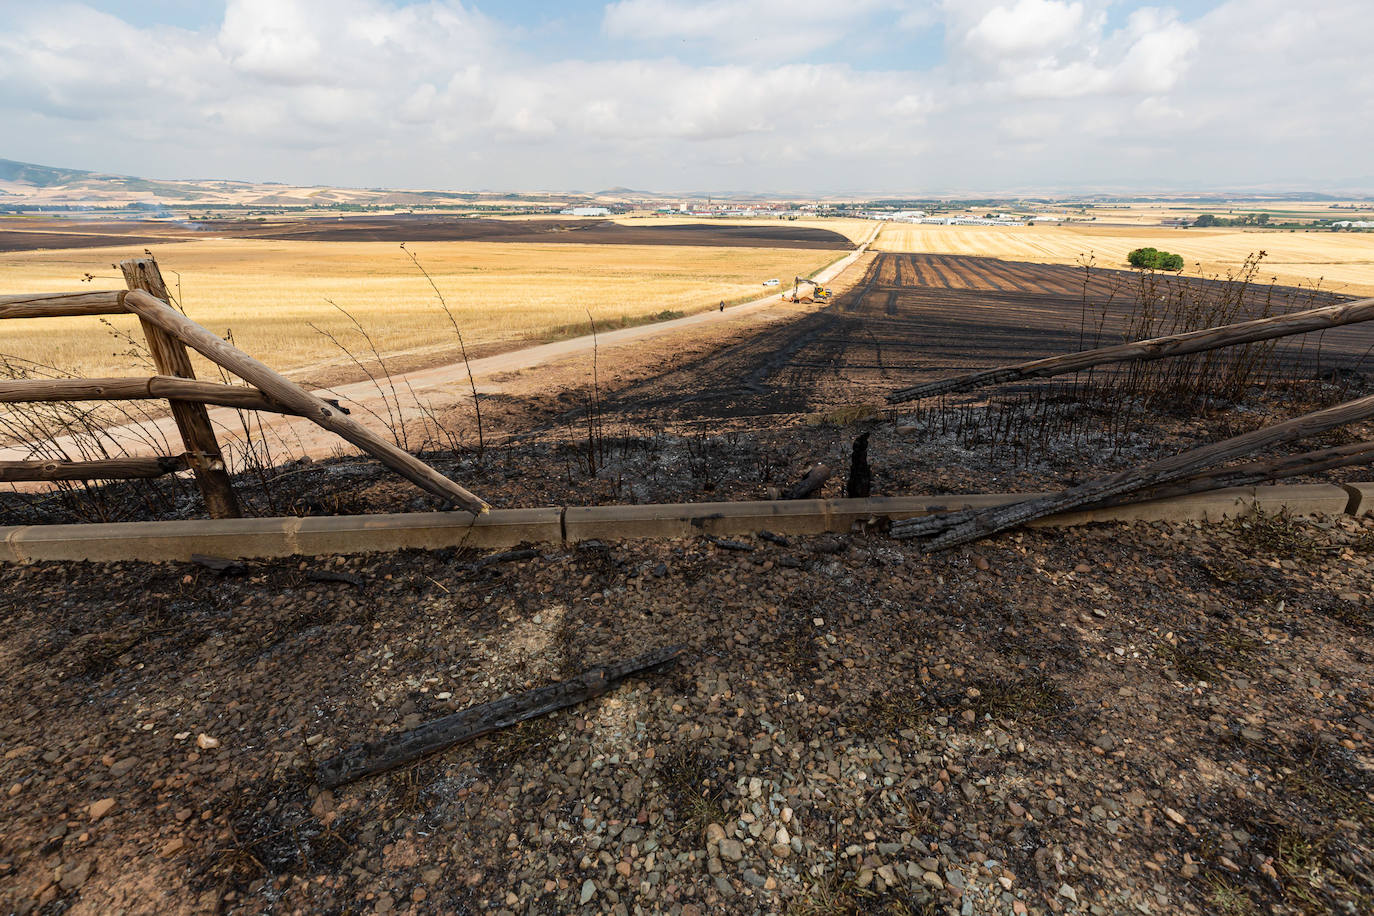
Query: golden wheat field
x=1340 y=262
x=273 y=295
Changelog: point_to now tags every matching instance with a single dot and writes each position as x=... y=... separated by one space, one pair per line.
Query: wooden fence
x=169 y=333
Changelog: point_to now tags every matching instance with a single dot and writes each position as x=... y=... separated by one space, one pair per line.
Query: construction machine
x=805 y=290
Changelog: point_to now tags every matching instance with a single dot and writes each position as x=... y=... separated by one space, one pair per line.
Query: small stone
x=623 y=868
x=121 y=767
x=74 y=878
x=1173 y=815
x=310 y=742
x=205 y=742
x=731 y=850
x=172 y=847
x=1068 y=892
x=588 y=891
x=101 y=808
x=865 y=878
x=933 y=880
x=714 y=834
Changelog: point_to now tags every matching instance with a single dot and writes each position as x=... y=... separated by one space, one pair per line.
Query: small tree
x=1154 y=259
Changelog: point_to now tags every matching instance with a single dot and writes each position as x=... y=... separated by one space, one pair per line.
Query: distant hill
x=39 y=176
x=27 y=184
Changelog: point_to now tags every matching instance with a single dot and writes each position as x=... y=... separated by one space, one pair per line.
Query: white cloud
x=368 y=92
x=767 y=29
x=1028 y=26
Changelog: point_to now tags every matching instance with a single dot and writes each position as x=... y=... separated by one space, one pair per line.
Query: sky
x=860 y=97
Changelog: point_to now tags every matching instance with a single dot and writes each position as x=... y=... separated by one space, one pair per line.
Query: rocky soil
x=1148 y=719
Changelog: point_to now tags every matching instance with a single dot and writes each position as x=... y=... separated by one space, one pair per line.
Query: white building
x=585 y=211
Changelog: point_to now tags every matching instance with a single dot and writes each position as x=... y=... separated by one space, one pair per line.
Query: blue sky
x=804 y=96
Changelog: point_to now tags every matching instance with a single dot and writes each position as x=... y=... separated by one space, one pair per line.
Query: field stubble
x=1337 y=262
x=268 y=294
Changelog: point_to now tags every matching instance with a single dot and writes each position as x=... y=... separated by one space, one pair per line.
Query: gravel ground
x=1146 y=719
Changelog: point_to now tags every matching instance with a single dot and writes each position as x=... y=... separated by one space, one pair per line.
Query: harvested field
x=269 y=293
x=1336 y=262
x=918 y=317
x=757 y=234
x=35 y=240
x=35 y=234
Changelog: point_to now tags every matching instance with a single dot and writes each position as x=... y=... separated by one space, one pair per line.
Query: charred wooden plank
x=374 y=757
x=813 y=481
x=1155 y=474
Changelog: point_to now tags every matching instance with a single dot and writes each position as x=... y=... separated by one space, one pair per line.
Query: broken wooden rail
x=1227 y=335
x=1240 y=475
x=169 y=333
x=374 y=757
x=961 y=527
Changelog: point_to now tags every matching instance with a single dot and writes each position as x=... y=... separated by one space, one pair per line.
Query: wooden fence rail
x=137 y=389
x=110 y=469
x=169 y=333
x=62 y=305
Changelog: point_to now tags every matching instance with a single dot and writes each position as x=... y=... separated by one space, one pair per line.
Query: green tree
x=1205 y=220
x=1154 y=259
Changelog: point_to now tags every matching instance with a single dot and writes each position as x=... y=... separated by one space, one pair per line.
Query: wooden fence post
x=170 y=358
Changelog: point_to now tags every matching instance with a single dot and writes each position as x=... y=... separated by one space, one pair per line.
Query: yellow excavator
x=804 y=290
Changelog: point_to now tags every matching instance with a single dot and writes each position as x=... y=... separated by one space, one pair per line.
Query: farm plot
x=273 y=295
x=1342 y=263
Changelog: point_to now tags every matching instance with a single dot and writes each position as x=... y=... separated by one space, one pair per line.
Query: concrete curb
x=319 y=536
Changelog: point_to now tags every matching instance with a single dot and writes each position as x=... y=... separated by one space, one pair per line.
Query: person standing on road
x=722 y=305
